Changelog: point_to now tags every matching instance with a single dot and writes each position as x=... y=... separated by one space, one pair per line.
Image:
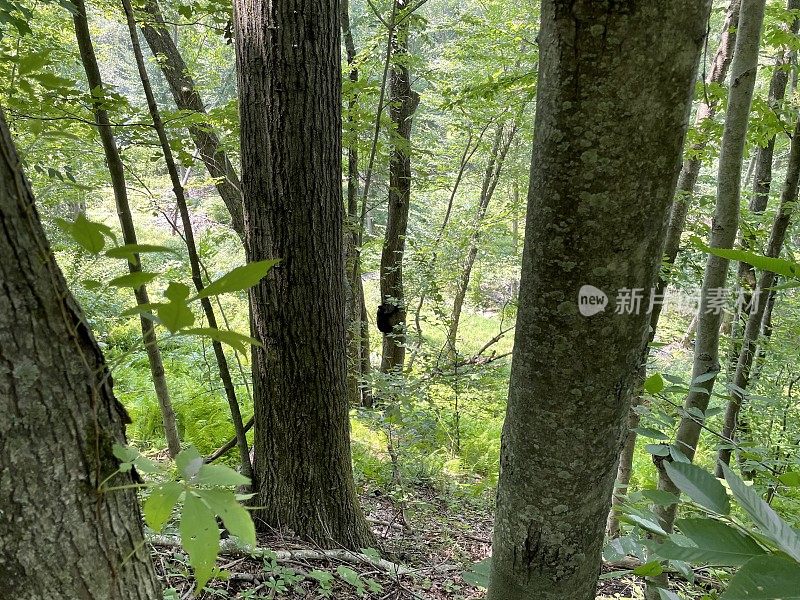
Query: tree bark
x=760 y=296
x=191 y=247
x=611 y=119
x=290 y=102
x=117 y=174
x=723 y=235
x=60 y=536
x=404 y=103
x=187 y=97
x=687 y=180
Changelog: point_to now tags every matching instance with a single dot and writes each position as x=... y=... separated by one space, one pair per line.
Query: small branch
x=230 y=444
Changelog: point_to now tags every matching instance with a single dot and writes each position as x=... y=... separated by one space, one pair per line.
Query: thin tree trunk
x=491 y=177
x=766 y=334
x=723 y=235
x=597 y=213
x=191 y=247
x=404 y=103
x=60 y=536
x=290 y=101
x=687 y=180
x=187 y=97
x=117 y=174
x=759 y=300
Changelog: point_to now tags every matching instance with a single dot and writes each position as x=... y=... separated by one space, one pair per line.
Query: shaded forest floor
x=439 y=545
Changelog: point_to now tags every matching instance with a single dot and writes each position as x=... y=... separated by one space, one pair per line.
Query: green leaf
x=241 y=278
x=238 y=341
x=236 y=518
x=654 y=384
x=705 y=377
x=651 y=433
x=786 y=268
x=129 y=251
x=133 y=280
x=644 y=521
x=717 y=544
x=668 y=595
x=350 y=576
x=175 y=315
x=700 y=485
x=661 y=497
x=478 y=575
x=651 y=569
x=87 y=235
x=200 y=538
x=767 y=577
x=159 y=504
x=657 y=449
x=189 y=462
x=764 y=517
x=219 y=475
x=790 y=479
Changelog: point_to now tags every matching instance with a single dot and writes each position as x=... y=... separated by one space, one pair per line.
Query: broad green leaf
x=200 y=538
x=654 y=434
x=189 y=462
x=790 y=479
x=764 y=517
x=700 y=485
x=717 y=544
x=651 y=569
x=159 y=504
x=654 y=384
x=238 y=341
x=175 y=315
x=87 y=234
x=783 y=267
x=129 y=251
x=478 y=575
x=236 y=518
x=133 y=280
x=661 y=497
x=705 y=377
x=645 y=522
x=241 y=278
x=657 y=449
x=668 y=595
x=219 y=475
x=767 y=577
x=176 y=292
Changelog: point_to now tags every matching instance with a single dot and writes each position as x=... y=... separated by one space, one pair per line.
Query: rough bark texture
x=614 y=94
x=756 y=315
x=60 y=537
x=191 y=247
x=187 y=97
x=117 y=175
x=680 y=208
x=290 y=102
x=404 y=103
x=723 y=235
x=504 y=135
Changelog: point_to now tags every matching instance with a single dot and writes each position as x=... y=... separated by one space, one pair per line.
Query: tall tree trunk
x=187 y=97
x=687 y=180
x=723 y=235
x=117 y=174
x=746 y=276
x=491 y=177
x=60 y=421
x=191 y=247
x=404 y=103
x=290 y=102
x=597 y=212
x=357 y=328
x=759 y=300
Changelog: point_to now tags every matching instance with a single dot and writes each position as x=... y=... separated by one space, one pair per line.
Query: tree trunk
x=723 y=235
x=290 y=102
x=191 y=247
x=597 y=212
x=491 y=177
x=187 y=97
x=404 y=103
x=760 y=297
x=687 y=181
x=117 y=174
x=60 y=537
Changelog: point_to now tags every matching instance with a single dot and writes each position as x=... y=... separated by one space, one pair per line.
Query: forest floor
x=438 y=546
